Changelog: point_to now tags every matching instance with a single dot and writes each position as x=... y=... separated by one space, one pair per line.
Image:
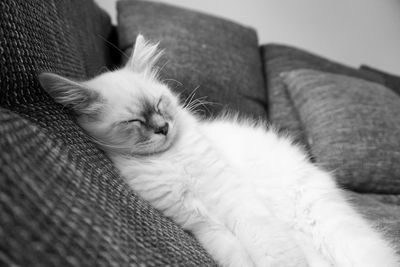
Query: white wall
x=349 y=31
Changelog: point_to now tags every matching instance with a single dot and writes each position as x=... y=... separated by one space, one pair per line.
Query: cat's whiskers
x=197 y=102
x=190 y=97
x=113 y=45
x=191 y=103
x=159 y=69
x=173 y=80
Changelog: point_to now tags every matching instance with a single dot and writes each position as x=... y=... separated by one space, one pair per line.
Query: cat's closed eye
x=138 y=121
x=157 y=108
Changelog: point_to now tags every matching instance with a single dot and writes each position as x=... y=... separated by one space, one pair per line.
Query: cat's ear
x=144 y=56
x=69 y=93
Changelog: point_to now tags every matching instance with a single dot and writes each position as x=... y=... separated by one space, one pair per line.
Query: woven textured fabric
x=391 y=199
x=280 y=58
x=353 y=128
x=219 y=57
x=48 y=36
x=391 y=81
x=380 y=211
x=62 y=203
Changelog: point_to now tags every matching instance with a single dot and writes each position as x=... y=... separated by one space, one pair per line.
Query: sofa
x=62 y=203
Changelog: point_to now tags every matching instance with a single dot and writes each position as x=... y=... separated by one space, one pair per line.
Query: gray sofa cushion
x=280 y=58
x=352 y=126
x=390 y=80
x=382 y=210
x=220 y=57
x=52 y=36
x=62 y=204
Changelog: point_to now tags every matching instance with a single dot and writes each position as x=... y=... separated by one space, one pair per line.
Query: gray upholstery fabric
x=280 y=58
x=352 y=126
x=61 y=201
x=384 y=215
x=390 y=80
x=220 y=57
x=62 y=204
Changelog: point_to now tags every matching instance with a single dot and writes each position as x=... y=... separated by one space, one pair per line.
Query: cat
x=249 y=195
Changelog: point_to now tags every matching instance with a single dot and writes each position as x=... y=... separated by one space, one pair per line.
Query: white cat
x=250 y=196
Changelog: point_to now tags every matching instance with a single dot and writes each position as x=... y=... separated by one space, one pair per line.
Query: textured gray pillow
x=353 y=128
x=390 y=80
x=384 y=214
x=220 y=57
x=279 y=58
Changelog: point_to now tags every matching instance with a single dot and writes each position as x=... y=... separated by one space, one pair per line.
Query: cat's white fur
x=250 y=196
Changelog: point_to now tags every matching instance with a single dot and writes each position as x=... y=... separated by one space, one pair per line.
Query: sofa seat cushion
x=219 y=57
x=279 y=58
x=352 y=127
x=64 y=205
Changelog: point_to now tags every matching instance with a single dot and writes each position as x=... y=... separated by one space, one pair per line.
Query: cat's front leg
x=176 y=201
x=337 y=230
x=270 y=244
x=267 y=240
x=213 y=235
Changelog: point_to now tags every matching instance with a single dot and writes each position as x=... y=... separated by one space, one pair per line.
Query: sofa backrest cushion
x=219 y=57
x=279 y=58
x=390 y=80
x=382 y=210
x=352 y=126
x=67 y=37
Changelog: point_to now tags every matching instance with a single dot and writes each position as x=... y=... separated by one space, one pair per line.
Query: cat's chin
x=152 y=150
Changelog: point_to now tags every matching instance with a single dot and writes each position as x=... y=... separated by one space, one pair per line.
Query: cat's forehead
x=124 y=86
x=140 y=105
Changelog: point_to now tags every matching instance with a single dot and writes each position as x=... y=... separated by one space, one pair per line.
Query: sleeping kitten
x=250 y=196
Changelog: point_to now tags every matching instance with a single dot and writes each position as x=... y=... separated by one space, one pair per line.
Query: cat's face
x=127 y=110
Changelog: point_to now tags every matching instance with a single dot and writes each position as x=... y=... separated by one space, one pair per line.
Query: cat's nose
x=162 y=130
